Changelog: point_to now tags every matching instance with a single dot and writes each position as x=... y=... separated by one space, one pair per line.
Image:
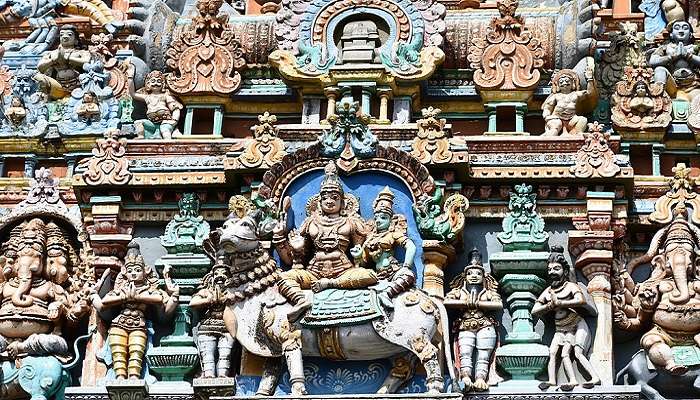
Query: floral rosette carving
x=509 y=56
x=107 y=164
x=595 y=157
x=639 y=102
x=431 y=143
x=206 y=56
x=266 y=148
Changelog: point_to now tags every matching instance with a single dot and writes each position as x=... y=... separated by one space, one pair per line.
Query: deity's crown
x=331 y=181
x=474 y=260
x=679 y=230
x=384 y=201
x=133 y=255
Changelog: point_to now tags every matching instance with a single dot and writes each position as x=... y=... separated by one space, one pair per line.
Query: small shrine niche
x=204 y=119
x=359 y=40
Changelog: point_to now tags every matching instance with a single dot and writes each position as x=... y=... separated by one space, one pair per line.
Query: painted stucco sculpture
x=45 y=288
x=675 y=62
x=214 y=342
x=639 y=103
x=657 y=306
x=572 y=337
x=162 y=108
x=135 y=290
x=559 y=110
x=319 y=252
x=474 y=292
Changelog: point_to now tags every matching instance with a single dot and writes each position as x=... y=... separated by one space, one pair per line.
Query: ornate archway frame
x=388 y=160
x=307 y=51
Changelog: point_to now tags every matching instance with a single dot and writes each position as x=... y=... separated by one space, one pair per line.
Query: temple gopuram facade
x=349 y=199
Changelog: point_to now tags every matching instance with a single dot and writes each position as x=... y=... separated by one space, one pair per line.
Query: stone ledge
x=442 y=396
x=512 y=390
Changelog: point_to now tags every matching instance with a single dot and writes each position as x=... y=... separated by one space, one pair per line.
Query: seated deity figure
x=389 y=230
x=665 y=303
x=318 y=250
x=559 y=109
x=16 y=112
x=162 y=108
x=475 y=294
x=34 y=265
x=675 y=63
x=642 y=102
x=135 y=290
x=566 y=300
x=89 y=110
x=59 y=69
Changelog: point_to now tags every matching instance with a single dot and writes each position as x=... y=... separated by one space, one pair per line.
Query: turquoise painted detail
x=523 y=229
x=315 y=57
x=336 y=307
x=40 y=377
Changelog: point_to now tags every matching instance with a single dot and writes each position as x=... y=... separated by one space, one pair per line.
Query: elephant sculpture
x=257 y=317
x=39 y=377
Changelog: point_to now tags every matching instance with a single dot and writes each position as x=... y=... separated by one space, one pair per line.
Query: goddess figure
x=389 y=231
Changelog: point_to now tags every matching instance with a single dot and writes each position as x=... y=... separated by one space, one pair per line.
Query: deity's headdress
x=384 y=201
x=474 y=260
x=34 y=234
x=679 y=230
x=133 y=255
x=331 y=181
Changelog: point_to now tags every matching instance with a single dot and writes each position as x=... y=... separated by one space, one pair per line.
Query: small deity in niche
x=559 y=109
x=16 y=112
x=389 y=230
x=135 y=290
x=642 y=102
x=359 y=43
x=475 y=293
x=89 y=110
x=571 y=333
x=675 y=61
x=162 y=108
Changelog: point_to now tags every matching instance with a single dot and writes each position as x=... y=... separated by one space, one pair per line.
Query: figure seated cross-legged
x=318 y=250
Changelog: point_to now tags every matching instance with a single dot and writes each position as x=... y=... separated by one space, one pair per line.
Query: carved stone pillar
x=592 y=250
x=436 y=255
x=109 y=237
x=384 y=95
x=331 y=96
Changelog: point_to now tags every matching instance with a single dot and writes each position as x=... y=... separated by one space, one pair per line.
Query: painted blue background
x=365 y=186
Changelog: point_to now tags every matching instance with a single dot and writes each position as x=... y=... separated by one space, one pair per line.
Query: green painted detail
x=680 y=110
x=428 y=214
x=336 y=307
x=126 y=108
x=186 y=232
x=522 y=361
x=686 y=355
x=523 y=229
